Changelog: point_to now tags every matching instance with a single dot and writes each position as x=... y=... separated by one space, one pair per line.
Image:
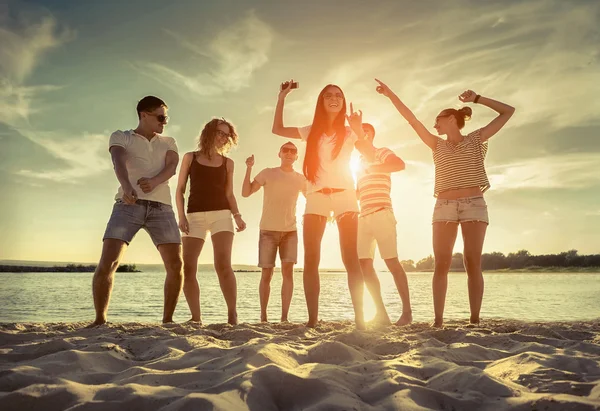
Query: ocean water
x=67 y=297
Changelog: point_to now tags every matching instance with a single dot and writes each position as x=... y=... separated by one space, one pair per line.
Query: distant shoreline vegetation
x=69 y=268
x=521 y=261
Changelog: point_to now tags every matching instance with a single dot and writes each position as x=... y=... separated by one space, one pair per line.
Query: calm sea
x=66 y=297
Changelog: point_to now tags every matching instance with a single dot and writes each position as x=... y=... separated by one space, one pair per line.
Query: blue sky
x=72 y=72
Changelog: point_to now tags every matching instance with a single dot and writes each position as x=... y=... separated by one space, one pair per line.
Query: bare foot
x=437 y=324
x=360 y=323
x=97 y=323
x=474 y=320
x=382 y=319
x=284 y=320
x=263 y=318
x=194 y=321
x=312 y=324
x=232 y=319
x=405 y=319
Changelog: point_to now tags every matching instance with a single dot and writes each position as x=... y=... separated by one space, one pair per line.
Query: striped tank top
x=374 y=188
x=460 y=165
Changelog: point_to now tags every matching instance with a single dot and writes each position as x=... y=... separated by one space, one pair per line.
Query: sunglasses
x=160 y=117
x=221 y=133
x=286 y=150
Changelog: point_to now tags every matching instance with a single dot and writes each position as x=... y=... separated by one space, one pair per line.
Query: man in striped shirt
x=377 y=226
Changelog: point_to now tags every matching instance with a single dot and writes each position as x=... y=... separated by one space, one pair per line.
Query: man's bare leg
x=171 y=256
x=374 y=287
x=264 y=291
x=402 y=286
x=102 y=284
x=287 y=288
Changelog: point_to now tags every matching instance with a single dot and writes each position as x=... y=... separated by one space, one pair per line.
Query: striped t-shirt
x=374 y=188
x=460 y=165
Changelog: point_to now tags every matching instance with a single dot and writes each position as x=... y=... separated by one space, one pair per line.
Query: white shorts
x=214 y=221
x=377 y=228
x=337 y=203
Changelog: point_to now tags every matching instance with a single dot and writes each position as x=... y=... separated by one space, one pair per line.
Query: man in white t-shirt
x=144 y=161
x=278 y=223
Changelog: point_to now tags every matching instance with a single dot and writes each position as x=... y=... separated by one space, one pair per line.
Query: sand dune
x=500 y=365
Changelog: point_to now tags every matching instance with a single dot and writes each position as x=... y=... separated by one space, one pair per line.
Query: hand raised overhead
x=285 y=88
x=382 y=88
x=467 y=96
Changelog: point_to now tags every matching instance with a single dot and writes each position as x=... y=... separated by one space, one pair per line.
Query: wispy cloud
x=21 y=50
x=541 y=56
x=84 y=155
x=569 y=171
x=234 y=54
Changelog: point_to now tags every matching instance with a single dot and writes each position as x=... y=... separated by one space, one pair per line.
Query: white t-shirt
x=332 y=173
x=145 y=158
x=280 y=197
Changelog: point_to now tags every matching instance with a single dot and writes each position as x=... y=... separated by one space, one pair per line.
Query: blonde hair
x=206 y=141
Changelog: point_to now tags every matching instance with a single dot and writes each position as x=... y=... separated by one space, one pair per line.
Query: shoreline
x=87 y=269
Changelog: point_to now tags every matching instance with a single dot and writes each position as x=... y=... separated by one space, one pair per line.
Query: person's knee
x=442 y=263
x=350 y=259
x=223 y=267
x=174 y=264
x=366 y=266
x=267 y=275
x=107 y=267
x=472 y=262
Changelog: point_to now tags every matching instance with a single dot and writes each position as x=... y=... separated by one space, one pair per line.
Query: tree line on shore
x=69 y=268
x=522 y=259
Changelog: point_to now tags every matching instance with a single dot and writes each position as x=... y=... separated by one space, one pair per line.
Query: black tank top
x=207 y=187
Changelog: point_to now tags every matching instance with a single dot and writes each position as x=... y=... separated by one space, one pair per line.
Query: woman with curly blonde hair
x=211 y=205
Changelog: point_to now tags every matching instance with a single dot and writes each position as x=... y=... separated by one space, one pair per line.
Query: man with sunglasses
x=278 y=223
x=144 y=161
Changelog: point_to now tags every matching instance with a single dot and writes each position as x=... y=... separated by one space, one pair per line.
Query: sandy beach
x=499 y=365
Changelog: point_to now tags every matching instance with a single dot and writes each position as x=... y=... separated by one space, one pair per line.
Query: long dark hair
x=319 y=125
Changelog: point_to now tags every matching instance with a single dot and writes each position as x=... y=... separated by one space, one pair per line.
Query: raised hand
x=467 y=96
x=250 y=161
x=285 y=88
x=355 y=121
x=382 y=88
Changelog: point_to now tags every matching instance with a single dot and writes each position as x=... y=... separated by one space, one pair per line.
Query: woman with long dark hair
x=211 y=204
x=329 y=145
x=460 y=181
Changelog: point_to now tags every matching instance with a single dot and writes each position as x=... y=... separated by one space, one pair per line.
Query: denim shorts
x=461 y=210
x=156 y=218
x=270 y=241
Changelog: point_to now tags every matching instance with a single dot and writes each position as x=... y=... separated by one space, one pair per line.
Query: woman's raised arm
x=278 y=127
x=408 y=115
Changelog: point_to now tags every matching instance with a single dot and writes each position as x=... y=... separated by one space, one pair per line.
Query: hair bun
x=466 y=112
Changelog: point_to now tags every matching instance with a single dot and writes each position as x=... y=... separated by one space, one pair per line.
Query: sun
x=355 y=166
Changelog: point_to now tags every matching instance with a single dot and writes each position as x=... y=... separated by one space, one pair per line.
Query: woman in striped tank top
x=460 y=181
